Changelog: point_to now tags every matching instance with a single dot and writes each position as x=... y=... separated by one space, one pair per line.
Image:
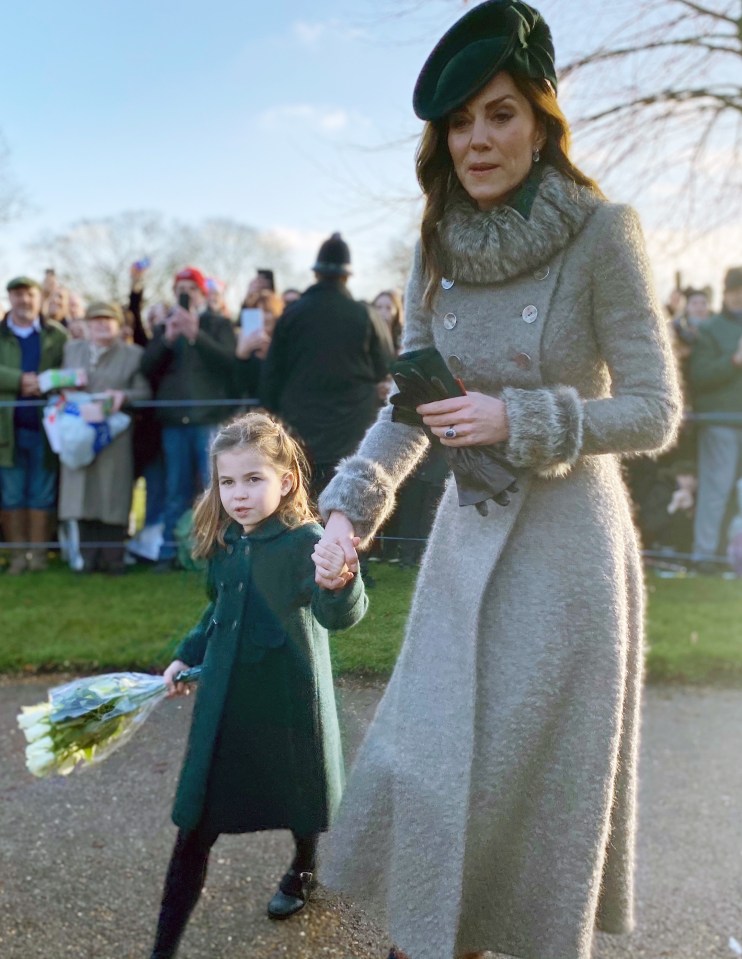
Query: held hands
x=335 y=555
x=478 y=419
x=173 y=688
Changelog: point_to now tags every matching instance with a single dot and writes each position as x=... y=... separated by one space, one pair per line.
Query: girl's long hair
x=260 y=432
x=438 y=180
x=398 y=318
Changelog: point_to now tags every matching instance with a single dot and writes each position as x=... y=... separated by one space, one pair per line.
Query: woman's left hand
x=477 y=419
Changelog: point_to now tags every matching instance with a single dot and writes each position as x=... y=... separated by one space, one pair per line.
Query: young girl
x=264 y=749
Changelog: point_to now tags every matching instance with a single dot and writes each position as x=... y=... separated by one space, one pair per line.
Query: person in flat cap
x=190 y=358
x=492 y=806
x=98 y=497
x=327 y=355
x=716 y=381
x=29 y=344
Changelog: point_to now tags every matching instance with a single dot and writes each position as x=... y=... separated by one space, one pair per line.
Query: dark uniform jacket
x=264 y=749
x=320 y=376
x=198 y=371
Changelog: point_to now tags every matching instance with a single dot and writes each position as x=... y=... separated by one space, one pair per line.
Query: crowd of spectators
x=319 y=360
x=686 y=499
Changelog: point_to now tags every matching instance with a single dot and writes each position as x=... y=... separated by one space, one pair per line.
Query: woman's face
x=385 y=308
x=58 y=303
x=491 y=140
x=102 y=331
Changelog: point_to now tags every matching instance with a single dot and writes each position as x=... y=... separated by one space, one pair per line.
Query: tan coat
x=102 y=491
x=492 y=805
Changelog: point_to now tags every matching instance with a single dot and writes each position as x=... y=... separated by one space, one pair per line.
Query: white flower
x=40 y=756
x=32 y=733
x=30 y=715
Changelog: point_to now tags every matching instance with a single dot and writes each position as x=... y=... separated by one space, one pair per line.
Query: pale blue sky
x=278 y=114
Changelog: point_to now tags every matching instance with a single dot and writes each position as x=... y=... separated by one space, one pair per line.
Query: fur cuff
x=364 y=491
x=545 y=429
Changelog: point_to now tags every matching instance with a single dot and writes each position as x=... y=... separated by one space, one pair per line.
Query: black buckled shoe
x=292 y=894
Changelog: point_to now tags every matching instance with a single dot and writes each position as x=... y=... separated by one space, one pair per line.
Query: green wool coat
x=264 y=749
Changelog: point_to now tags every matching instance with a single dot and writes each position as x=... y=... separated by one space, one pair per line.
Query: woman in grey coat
x=492 y=804
x=98 y=496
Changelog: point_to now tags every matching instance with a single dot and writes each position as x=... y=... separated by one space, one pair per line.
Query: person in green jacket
x=29 y=344
x=716 y=382
x=264 y=749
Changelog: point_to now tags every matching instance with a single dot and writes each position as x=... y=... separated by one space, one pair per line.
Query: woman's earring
x=536 y=155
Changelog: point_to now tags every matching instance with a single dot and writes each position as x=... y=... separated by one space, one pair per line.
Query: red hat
x=191 y=273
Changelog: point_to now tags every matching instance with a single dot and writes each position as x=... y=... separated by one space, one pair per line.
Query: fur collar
x=496 y=245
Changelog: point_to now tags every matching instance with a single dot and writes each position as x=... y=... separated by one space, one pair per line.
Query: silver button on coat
x=541 y=273
x=446 y=284
x=530 y=314
x=449 y=321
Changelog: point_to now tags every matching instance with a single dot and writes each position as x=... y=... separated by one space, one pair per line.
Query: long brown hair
x=397 y=323
x=261 y=432
x=437 y=178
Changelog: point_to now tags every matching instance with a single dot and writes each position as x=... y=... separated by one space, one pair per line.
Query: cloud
x=305 y=242
x=300 y=248
x=309 y=34
x=322 y=119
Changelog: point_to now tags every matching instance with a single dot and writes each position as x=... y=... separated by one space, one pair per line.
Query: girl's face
x=250 y=487
x=385 y=308
x=491 y=140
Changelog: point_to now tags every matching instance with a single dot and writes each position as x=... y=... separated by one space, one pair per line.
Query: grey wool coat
x=492 y=804
x=102 y=491
x=264 y=747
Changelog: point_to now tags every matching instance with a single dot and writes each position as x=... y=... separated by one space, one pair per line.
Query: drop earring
x=536 y=155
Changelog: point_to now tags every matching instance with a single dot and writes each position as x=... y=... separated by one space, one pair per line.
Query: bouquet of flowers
x=84 y=721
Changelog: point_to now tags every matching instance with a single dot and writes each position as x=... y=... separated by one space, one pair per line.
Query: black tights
x=186 y=876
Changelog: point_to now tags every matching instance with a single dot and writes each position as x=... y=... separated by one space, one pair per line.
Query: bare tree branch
x=94 y=256
x=661 y=88
x=696 y=43
x=706 y=12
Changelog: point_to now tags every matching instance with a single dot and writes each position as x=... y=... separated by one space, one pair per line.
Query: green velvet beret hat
x=496 y=35
x=23 y=282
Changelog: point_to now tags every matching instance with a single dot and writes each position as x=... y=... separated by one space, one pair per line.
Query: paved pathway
x=82 y=859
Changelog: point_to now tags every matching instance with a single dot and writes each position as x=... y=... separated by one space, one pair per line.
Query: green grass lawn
x=694 y=631
x=59 y=621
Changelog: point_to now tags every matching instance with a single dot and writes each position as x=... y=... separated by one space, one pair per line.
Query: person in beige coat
x=98 y=496
x=493 y=803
